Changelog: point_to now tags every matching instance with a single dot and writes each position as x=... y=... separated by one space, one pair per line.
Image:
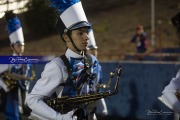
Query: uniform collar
x=69 y=53
x=14 y=54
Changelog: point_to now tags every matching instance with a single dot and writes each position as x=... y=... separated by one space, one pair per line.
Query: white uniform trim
x=163 y=100
x=102 y=108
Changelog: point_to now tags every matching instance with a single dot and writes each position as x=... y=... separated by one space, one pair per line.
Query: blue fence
x=140 y=85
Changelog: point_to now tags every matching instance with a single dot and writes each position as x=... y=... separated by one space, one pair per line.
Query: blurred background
x=114 y=23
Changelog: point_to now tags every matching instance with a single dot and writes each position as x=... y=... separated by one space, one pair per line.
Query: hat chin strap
x=81 y=52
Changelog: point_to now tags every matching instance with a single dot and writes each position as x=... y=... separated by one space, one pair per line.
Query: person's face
x=140 y=31
x=18 y=49
x=80 y=38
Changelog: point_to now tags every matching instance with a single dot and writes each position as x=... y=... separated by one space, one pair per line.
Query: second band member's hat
x=14 y=28
x=91 y=43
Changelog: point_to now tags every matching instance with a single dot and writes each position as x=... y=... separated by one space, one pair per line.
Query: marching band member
x=13 y=90
x=66 y=75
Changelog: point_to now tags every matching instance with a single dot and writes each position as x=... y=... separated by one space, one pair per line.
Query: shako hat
x=14 y=28
x=72 y=15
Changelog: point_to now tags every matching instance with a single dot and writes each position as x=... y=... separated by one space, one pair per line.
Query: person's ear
x=66 y=38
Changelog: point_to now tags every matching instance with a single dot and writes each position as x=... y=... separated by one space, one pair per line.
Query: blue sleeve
x=96 y=69
x=29 y=70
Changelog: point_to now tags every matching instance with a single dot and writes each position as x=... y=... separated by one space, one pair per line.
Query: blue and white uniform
x=13 y=101
x=55 y=73
x=169 y=92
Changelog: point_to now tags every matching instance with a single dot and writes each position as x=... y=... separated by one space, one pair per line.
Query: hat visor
x=19 y=43
x=22 y=44
x=92 y=47
x=80 y=25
